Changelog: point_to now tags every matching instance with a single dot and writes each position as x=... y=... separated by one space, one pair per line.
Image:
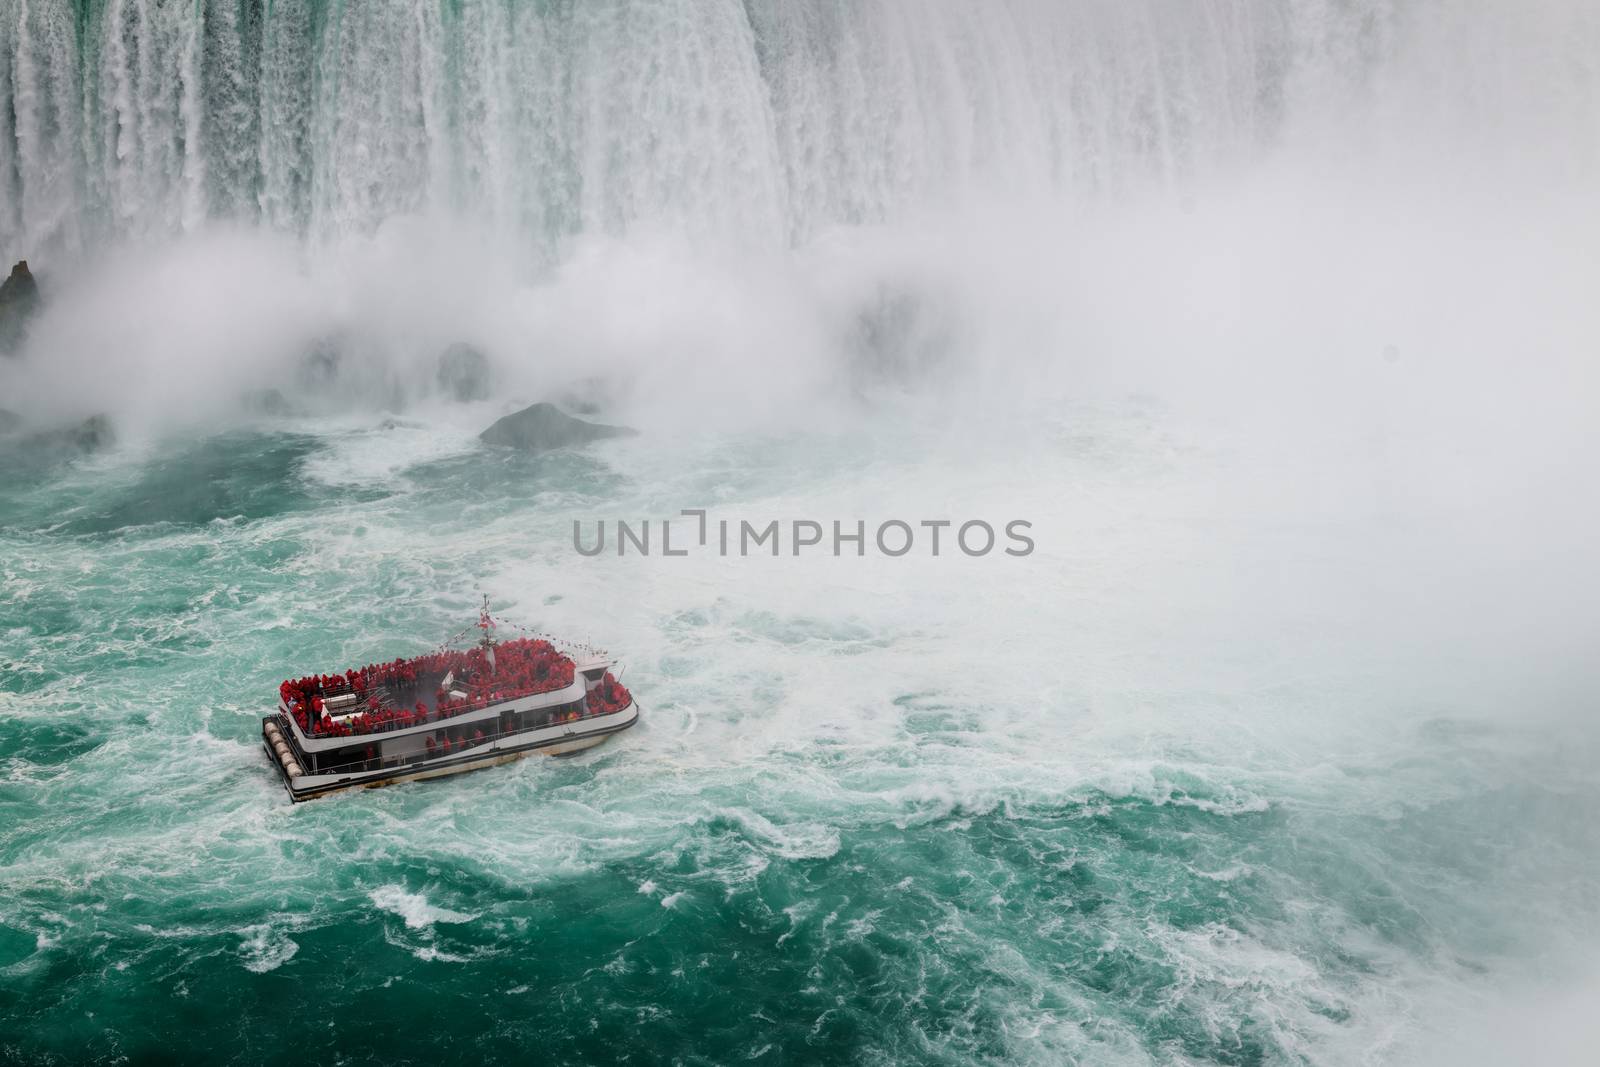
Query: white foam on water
x=430 y=954
x=414 y=907
x=266 y=948
x=794 y=841
x=379 y=454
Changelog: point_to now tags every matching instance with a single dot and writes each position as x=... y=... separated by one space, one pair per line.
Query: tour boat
x=442 y=713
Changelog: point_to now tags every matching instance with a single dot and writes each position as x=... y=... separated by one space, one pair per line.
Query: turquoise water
x=907 y=811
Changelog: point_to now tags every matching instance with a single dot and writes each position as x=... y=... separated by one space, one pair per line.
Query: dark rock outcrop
x=19 y=299
x=91 y=435
x=9 y=421
x=543 y=427
x=464 y=373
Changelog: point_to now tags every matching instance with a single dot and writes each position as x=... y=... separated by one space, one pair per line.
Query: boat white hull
x=562 y=739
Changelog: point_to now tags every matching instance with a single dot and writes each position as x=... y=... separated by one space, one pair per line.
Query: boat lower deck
x=557 y=739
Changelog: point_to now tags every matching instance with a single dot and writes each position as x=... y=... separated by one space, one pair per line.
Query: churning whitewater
x=1269 y=325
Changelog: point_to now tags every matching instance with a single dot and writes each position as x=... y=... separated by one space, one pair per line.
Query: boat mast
x=486 y=624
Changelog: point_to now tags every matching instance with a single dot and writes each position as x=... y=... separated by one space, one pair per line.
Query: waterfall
x=767 y=197
x=762 y=121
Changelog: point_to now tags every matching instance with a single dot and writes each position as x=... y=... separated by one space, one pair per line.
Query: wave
x=414 y=908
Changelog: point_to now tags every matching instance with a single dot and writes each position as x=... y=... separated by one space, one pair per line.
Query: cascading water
x=767 y=120
x=843 y=168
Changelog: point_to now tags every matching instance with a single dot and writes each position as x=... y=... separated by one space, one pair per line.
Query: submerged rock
x=543 y=427
x=464 y=373
x=19 y=299
x=91 y=435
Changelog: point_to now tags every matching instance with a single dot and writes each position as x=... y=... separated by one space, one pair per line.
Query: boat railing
x=424 y=756
x=474 y=703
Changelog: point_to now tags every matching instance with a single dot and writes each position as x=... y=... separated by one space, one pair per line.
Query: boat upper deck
x=422 y=692
x=423 y=724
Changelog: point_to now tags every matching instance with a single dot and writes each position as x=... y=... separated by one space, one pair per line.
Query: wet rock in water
x=91 y=435
x=464 y=373
x=19 y=299
x=543 y=427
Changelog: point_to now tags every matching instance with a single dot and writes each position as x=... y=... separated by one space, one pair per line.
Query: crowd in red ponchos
x=607 y=697
x=520 y=668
